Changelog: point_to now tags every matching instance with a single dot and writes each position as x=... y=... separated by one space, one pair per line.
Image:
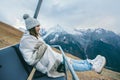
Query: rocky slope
x=9 y=35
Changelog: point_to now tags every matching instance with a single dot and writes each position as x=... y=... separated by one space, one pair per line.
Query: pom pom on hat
x=30 y=22
x=25 y=16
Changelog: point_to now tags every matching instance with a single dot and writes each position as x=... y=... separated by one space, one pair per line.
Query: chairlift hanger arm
x=37 y=9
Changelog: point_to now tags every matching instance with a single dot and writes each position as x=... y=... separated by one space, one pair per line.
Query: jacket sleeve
x=40 y=49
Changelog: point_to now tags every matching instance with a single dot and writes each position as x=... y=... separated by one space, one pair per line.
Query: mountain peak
x=100 y=30
x=57 y=29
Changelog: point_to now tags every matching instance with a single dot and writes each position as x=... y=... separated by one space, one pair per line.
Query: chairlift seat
x=13 y=66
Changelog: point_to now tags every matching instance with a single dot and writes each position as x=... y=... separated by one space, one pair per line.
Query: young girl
x=39 y=54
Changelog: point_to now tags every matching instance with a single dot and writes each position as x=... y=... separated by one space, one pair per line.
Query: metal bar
x=65 y=65
x=37 y=9
x=75 y=77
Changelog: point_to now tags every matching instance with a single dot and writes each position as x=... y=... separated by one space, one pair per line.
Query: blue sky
x=67 y=13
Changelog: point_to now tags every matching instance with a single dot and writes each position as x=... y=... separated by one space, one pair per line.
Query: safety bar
x=74 y=75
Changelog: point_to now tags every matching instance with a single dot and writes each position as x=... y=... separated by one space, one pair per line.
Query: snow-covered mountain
x=101 y=41
x=98 y=34
x=57 y=35
x=87 y=42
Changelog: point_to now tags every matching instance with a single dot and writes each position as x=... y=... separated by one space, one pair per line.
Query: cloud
x=67 y=13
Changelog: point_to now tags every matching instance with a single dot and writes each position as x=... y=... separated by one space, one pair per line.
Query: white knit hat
x=30 y=22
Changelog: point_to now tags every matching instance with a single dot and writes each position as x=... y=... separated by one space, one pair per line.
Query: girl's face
x=37 y=28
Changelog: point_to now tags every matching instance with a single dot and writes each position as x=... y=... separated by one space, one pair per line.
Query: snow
x=55 y=38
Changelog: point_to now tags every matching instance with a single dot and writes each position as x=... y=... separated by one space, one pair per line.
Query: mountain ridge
x=88 y=44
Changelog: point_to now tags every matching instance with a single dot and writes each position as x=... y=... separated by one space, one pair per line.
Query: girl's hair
x=33 y=32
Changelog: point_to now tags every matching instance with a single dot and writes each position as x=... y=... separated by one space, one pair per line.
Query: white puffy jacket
x=26 y=47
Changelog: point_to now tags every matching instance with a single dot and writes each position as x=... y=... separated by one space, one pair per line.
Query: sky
x=81 y=14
